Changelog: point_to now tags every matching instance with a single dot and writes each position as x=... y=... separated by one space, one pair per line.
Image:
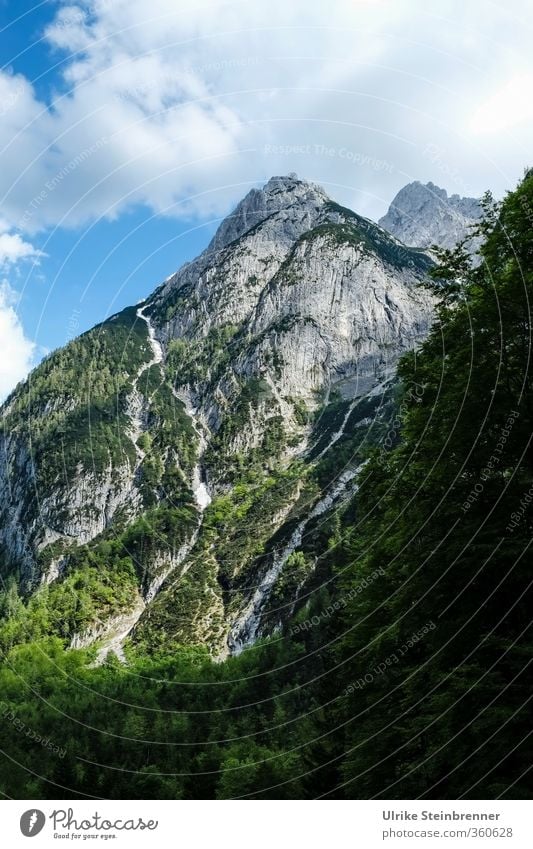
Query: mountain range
x=171 y=476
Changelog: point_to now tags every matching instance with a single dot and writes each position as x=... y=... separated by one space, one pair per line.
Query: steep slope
x=179 y=453
x=424 y=215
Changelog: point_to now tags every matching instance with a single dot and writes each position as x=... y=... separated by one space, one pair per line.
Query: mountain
x=163 y=474
x=402 y=667
x=424 y=215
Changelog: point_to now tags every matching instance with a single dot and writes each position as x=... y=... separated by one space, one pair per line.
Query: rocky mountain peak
x=286 y=196
x=422 y=215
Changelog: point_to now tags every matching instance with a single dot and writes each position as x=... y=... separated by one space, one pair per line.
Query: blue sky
x=95 y=270
x=129 y=127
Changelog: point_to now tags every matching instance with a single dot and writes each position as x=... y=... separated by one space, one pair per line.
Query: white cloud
x=181 y=106
x=14 y=248
x=18 y=352
x=510 y=105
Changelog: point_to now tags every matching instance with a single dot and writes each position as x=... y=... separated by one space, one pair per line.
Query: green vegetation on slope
x=71 y=410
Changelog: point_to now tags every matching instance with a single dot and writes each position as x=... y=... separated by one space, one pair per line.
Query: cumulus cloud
x=182 y=108
x=14 y=248
x=18 y=352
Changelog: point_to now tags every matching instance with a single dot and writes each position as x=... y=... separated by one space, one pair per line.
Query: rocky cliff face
x=200 y=443
x=424 y=215
x=312 y=294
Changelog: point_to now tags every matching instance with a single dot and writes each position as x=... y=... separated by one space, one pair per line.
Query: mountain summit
x=165 y=477
x=424 y=215
x=299 y=202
